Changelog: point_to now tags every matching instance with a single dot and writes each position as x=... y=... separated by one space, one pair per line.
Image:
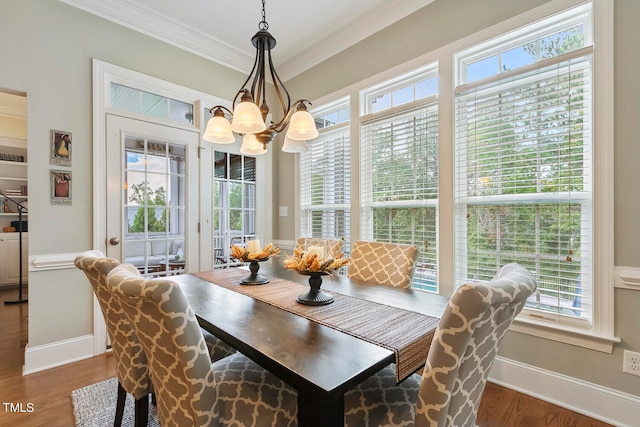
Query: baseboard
x=602 y=403
x=59 y=353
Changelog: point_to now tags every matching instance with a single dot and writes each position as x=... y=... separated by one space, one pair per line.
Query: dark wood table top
x=320 y=362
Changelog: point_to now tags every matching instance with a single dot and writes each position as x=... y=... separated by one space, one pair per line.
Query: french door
x=152 y=196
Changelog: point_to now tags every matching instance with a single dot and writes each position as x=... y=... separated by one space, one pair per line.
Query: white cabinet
x=10 y=258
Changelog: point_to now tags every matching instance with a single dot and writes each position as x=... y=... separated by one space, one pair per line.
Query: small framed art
x=60 y=148
x=60 y=187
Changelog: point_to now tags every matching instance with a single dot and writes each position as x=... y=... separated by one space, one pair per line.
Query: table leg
x=319 y=412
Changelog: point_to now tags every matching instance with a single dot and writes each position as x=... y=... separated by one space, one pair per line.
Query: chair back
x=389 y=264
x=171 y=337
x=465 y=345
x=336 y=246
x=130 y=360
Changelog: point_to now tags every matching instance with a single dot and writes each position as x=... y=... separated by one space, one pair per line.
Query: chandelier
x=251 y=117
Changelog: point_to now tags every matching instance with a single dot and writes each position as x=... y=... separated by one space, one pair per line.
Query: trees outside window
x=498 y=152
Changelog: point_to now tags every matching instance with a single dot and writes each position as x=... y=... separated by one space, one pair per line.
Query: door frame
x=103 y=75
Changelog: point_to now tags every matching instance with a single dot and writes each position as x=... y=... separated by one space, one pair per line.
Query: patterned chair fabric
x=217 y=349
x=131 y=363
x=461 y=354
x=190 y=390
x=336 y=246
x=132 y=368
x=389 y=264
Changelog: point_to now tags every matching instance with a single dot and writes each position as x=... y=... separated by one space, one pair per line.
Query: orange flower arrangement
x=241 y=253
x=313 y=262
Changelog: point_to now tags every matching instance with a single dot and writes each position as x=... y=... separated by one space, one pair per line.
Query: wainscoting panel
x=627 y=278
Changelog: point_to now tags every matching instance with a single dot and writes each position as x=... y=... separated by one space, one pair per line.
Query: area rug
x=95 y=406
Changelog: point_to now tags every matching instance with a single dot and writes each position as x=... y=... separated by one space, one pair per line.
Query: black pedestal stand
x=315 y=296
x=254 y=278
x=21 y=210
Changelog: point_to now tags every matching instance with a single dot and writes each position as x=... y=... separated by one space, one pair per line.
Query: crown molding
x=149 y=22
x=161 y=27
x=356 y=31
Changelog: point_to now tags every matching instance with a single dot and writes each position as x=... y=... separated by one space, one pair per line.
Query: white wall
x=47 y=49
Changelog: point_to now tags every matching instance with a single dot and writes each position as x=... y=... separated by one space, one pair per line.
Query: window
x=234 y=202
x=524 y=164
x=154 y=202
x=399 y=168
x=325 y=176
x=150 y=104
x=501 y=150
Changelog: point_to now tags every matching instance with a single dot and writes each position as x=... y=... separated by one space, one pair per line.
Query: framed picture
x=60 y=187
x=60 y=148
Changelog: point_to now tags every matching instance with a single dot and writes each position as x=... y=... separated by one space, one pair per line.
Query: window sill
x=574 y=336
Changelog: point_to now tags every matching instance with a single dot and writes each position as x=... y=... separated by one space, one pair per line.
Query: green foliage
x=152 y=215
x=556 y=44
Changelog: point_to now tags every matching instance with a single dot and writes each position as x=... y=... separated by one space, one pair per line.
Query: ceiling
x=307 y=32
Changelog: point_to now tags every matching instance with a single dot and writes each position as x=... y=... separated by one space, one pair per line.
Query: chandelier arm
x=282 y=124
x=258 y=70
x=262 y=83
x=279 y=87
x=244 y=85
x=222 y=107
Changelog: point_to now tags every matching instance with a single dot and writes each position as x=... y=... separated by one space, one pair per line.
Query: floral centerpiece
x=313 y=262
x=253 y=254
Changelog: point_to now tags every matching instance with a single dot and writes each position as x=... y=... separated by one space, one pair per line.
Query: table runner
x=408 y=334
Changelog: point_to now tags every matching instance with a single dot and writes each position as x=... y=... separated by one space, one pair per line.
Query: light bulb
x=251 y=146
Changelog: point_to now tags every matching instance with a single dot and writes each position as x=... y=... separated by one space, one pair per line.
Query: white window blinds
x=325 y=175
x=523 y=168
x=399 y=183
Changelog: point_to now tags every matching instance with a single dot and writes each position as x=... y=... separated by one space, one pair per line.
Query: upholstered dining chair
x=131 y=363
x=389 y=264
x=190 y=390
x=461 y=354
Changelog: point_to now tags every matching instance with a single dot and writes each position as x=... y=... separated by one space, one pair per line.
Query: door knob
x=114 y=241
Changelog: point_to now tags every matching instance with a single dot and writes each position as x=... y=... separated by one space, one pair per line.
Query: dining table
x=321 y=351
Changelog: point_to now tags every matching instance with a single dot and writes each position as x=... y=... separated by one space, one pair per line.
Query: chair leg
x=122 y=395
x=142 y=411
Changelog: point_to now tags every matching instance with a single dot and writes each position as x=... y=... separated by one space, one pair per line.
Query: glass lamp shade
x=302 y=126
x=247 y=118
x=294 y=145
x=251 y=146
x=218 y=131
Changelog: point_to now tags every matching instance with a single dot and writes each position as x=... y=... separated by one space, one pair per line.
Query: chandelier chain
x=263 y=25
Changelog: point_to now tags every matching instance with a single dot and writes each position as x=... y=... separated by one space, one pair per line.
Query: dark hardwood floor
x=49 y=392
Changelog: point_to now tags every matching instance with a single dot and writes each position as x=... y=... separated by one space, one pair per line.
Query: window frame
x=466 y=94
x=600 y=336
x=305 y=205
